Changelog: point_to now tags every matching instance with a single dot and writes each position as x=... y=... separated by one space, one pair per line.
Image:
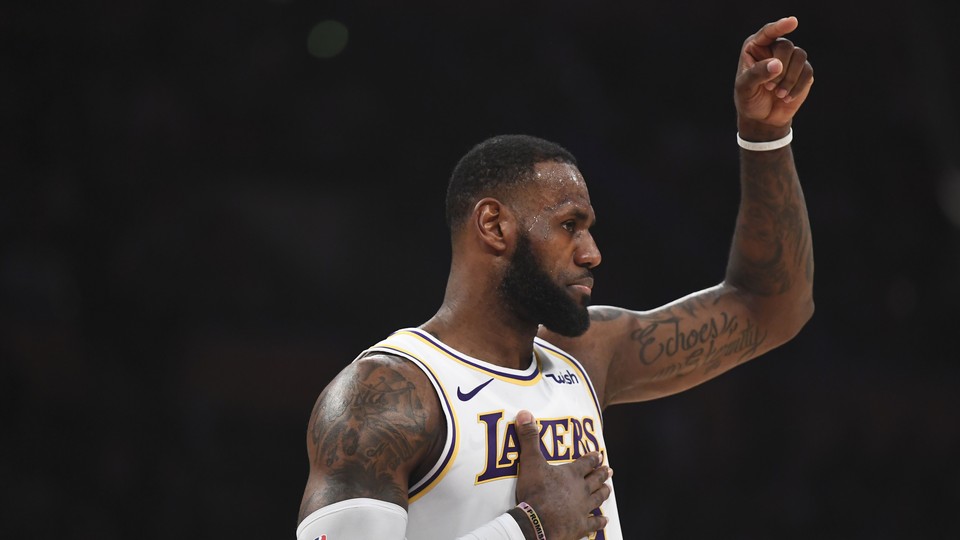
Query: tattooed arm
x=767 y=293
x=379 y=423
x=370 y=430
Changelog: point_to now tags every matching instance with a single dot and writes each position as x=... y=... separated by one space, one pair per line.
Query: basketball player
x=430 y=434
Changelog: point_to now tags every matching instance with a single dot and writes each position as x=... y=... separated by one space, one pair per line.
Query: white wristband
x=765 y=146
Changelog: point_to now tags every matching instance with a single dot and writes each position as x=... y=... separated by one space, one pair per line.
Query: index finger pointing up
x=771 y=31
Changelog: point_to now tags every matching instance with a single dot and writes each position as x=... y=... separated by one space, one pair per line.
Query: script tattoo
x=378 y=424
x=772 y=240
x=683 y=344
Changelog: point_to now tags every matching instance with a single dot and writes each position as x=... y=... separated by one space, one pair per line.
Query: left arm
x=767 y=293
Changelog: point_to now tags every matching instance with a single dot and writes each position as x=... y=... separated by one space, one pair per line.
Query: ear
x=494 y=223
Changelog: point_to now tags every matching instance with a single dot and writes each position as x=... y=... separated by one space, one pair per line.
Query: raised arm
x=767 y=293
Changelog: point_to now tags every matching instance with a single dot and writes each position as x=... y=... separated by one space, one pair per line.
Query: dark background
x=202 y=222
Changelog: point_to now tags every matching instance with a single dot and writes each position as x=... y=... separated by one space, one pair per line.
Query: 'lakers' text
x=561 y=440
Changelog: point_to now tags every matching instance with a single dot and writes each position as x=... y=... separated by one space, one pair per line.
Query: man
x=430 y=434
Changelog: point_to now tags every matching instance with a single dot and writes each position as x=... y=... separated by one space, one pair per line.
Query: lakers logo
x=561 y=440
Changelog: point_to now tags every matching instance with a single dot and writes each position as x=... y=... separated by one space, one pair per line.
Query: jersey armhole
x=448 y=452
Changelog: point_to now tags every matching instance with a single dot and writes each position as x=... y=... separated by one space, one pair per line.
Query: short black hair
x=499 y=162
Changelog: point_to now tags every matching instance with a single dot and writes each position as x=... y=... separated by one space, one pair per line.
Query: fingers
x=786 y=73
x=758 y=46
x=600 y=495
x=772 y=31
x=587 y=463
x=763 y=73
x=595 y=523
x=796 y=75
x=528 y=436
x=598 y=477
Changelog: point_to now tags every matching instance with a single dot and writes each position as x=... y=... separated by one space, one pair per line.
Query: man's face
x=531 y=293
x=548 y=279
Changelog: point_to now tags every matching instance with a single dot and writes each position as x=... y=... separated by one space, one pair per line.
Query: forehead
x=558 y=186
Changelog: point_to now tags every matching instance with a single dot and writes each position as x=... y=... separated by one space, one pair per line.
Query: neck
x=474 y=321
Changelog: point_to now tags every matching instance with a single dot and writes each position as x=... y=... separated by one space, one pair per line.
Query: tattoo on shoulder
x=374 y=423
x=681 y=343
x=605 y=313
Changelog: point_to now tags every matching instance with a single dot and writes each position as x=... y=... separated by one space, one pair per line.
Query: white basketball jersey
x=475 y=479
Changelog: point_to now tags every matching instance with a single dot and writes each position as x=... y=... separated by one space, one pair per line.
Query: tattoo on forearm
x=686 y=347
x=772 y=241
x=363 y=441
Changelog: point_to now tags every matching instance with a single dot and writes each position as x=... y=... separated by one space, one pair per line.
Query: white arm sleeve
x=372 y=518
x=502 y=528
x=355 y=518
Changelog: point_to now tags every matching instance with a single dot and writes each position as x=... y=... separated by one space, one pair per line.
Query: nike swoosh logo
x=469 y=395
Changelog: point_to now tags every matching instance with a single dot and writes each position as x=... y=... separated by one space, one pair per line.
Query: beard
x=530 y=293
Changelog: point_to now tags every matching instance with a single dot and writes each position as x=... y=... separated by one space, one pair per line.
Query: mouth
x=582 y=289
x=583 y=286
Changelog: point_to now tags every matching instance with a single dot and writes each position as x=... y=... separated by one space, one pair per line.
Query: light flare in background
x=327 y=39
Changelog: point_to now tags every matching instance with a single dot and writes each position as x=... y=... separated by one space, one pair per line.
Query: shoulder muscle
x=371 y=427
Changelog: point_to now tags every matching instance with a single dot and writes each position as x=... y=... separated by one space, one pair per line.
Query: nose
x=588 y=254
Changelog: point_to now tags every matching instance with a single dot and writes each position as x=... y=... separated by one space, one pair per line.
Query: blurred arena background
x=209 y=208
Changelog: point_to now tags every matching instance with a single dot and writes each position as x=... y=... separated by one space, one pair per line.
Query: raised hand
x=774 y=76
x=562 y=495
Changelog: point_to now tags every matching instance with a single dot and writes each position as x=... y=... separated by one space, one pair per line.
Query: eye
x=569 y=225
